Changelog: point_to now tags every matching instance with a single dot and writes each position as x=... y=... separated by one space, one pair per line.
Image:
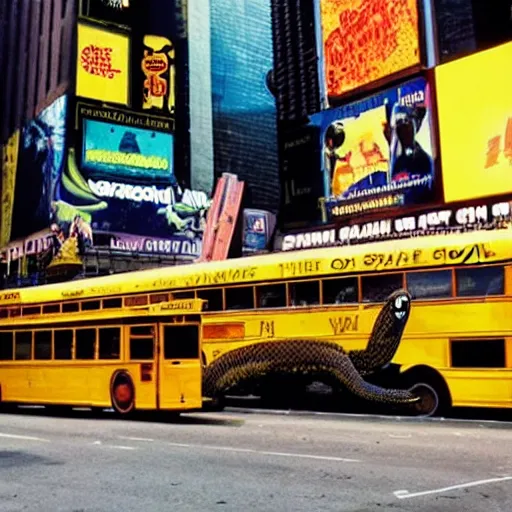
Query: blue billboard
x=116 y=151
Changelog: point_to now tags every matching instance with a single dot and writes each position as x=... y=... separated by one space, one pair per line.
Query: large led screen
x=378 y=153
x=367 y=40
x=475 y=124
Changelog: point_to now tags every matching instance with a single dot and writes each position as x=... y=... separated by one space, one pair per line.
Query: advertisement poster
x=9 y=166
x=367 y=40
x=481 y=216
x=158 y=66
x=120 y=178
x=244 y=109
x=102 y=65
x=40 y=162
x=378 y=153
x=476 y=144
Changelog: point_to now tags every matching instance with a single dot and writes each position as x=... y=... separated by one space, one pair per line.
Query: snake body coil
x=319 y=359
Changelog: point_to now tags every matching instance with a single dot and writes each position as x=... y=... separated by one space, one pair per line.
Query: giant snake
x=325 y=360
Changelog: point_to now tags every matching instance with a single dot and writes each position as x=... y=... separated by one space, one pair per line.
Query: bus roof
x=426 y=251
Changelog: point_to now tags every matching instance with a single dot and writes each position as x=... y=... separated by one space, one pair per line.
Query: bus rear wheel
x=122 y=393
x=432 y=391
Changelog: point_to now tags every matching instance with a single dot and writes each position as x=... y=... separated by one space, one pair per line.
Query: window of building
x=379 y=287
x=85 y=343
x=181 y=342
x=340 y=290
x=480 y=281
x=63 y=344
x=109 y=342
x=23 y=345
x=305 y=293
x=430 y=285
x=271 y=296
x=240 y=297
x=6 y=346
x=214 y=298
x=43 y=345
x=480 y=353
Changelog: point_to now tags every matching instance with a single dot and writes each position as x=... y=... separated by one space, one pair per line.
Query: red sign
x=98 y=61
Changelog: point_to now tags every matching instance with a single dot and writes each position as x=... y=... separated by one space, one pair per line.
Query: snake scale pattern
x=324 y=360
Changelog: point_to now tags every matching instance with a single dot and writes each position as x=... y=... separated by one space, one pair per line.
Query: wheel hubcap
x=429 y=399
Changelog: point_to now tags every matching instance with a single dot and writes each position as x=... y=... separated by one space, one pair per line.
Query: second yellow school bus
x=457 y=346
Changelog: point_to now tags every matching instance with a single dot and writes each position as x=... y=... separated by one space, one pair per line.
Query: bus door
x=180 y=370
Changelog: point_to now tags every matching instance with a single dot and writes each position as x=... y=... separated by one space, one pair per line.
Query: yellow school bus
x=144 y=357
x=456 y=348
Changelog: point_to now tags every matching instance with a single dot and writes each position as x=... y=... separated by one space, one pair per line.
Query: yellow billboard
x=367 y=40
x=9 y=166
x=102 y=65
x=474 y=101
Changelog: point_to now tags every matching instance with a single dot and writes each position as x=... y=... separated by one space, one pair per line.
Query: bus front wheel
x=122 y=393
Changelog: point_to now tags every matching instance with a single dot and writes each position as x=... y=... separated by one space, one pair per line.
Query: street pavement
x=235 y=461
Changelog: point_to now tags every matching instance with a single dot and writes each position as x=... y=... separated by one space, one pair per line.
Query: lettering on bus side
x=178 y=304
x=267 y=329
x=476 y=253
x=377 y=261
x=72 y=294
x=299 y=268
x=10 y=297
x=345 y=323
x=222 y=276
x=343 y=264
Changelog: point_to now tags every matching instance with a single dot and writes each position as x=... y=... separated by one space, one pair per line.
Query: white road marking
x=115 y=446
x=406 y=494
x=25 y=438
x=261 y=452
x=397 y=436
x=147 y=439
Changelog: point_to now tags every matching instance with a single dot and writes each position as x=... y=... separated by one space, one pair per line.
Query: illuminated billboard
x=475 y=118
x=367 y=40
x=378 y=153
x=102 y=69
x=8 y=176
x=115 y=151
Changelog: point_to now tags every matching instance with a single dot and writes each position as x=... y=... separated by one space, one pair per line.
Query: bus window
x=305 y=293
x=156 y=298
x=377 y=288
x=480 y=281
x=114 y=303
x=214 y=298
x=63 y=344
x=181 y=342
x=136 y=300
x=271 y=296
x=85 y=343
x=109 y=343
x=430 y=285
x=31 y=310
x=23 y=344
x=43 y=345
x=6 y=346
x=340 y=290
x=51 y=308
x=141 y=342
x=70 y=307
x=478 y=353
x=91 y=305
x=240 y=297
x=183 y=295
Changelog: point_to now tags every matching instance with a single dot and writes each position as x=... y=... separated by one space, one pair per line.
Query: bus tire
x=430 y=386
x=122 y=393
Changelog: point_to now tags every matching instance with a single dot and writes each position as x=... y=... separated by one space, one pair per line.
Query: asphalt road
x=252 y=462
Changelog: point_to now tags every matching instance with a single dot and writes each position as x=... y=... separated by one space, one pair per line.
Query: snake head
x=400 y=301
